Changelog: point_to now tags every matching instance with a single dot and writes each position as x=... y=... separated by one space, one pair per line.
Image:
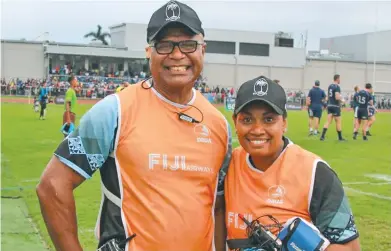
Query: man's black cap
x=173 y=12
x=317 y=83
x=261 y=89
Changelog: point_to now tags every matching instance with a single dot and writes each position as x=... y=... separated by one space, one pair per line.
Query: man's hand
x=55 y=194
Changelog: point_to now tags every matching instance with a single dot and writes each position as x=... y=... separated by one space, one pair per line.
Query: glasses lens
x=164 y=47
x=188 y=46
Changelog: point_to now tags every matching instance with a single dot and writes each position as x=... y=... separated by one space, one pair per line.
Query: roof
x=60 y=44
x=347 y=60
x=359 y=34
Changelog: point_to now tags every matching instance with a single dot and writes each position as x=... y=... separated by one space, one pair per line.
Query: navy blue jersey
x=355 y=104
x=362 y=99
x=316 y=95
x=331 y=92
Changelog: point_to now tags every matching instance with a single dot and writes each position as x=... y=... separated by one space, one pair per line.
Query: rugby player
x=315 y=99
x=363 y=100
x=270 y=175
x=354 y=104
x=334 y=108
x=43 y=100
x=69 y=115
x=162 y=150
x=371 y=114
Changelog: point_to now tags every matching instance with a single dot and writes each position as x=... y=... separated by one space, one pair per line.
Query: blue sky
x=68 y=21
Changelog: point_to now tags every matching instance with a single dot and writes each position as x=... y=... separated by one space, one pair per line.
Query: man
x=162 y=150
x=69 y=115
x=364 y=100
x=371 y=114
x=315 y=100
x=355 y=104
x=43 y=100
x=334 y=108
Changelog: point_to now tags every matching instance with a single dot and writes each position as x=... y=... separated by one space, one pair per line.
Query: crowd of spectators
x=95 y=86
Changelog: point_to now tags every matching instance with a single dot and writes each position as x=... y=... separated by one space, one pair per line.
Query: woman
x=270 y=175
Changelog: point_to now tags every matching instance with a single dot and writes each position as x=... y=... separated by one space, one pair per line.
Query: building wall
x=26 y=60
x=352 y=74
x=93 y=51
x=219 y=75
x=135 y=39
x=118 y=35
x=22 y=60
x=352 y=45
x=364 y=47
x=379 y=44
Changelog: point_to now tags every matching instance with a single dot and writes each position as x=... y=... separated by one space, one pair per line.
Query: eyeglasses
x=167 y=47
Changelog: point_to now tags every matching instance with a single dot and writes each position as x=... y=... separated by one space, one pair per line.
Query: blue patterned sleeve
x=224 y=167
x=87 y=148
x=329 y=208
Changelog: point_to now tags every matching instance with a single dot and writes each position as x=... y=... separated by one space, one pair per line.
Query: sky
x=68 y=21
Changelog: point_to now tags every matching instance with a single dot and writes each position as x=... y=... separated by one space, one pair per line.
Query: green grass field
x=28 y=143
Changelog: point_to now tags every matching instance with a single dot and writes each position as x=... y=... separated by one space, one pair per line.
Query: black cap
x=261 y=89
x=317 y=83
x=173 y=12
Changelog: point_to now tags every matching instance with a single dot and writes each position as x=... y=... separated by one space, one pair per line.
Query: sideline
x=375 y=195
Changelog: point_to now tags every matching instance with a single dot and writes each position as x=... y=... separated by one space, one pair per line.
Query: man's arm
x=338 y=93
x=370 y=98
x=68 y=112
x=68 y=98
x=330 y=211
x=77 y=158
x=55 y=194
x=220 y=227
x=308 y=99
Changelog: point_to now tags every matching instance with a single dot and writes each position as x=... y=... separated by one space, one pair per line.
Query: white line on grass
x=30 y=180
x=367 y=183
x=382 y=177
x=375 y=195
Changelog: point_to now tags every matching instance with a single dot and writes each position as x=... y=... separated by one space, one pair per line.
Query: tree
x=98 y=35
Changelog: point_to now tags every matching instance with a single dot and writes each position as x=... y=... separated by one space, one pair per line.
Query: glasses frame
x=176 y=44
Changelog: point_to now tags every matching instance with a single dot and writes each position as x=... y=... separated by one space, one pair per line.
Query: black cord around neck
x=181 y=115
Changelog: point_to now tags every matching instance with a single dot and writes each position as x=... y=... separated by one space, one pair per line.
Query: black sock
x=339 y=134
x=324 y=132
x=355 y=133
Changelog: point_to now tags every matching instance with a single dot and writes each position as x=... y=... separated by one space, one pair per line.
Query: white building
x=361 y=47
x=232 y=57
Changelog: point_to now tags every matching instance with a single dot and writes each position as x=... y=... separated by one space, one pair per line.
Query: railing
x=293 y=102
x=87 y=93
x=95 y=79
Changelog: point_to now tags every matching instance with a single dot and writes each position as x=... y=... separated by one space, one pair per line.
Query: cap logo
x=173 y=12
x=261 y=87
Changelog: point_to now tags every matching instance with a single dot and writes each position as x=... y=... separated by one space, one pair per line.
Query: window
x=249 y=49
x=220 y=47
